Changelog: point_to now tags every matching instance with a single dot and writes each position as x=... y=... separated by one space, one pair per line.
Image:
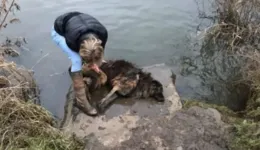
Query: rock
x=101 y=128
x=191 y=129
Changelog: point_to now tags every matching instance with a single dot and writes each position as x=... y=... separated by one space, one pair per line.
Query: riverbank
x=23 y=122
x=26 y=124
x=234 y=37
x=243 y=127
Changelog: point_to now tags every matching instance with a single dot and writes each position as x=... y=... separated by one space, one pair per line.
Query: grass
x=247 y=136
x=29 y=126
x=237 y=25
x=23 y=123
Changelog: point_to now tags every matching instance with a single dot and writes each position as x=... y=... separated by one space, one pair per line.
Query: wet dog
x=127 y=80
x=124 y=80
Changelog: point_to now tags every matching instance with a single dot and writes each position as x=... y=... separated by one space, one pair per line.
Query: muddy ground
x=145 y=124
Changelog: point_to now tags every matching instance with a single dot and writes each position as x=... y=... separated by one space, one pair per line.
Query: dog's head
x=156 y=91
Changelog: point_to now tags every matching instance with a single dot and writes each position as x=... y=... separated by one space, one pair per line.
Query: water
x=145 y=32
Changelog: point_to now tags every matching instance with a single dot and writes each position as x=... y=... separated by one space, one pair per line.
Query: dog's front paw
x=87 y=81
x=100 y=82
x=103 y=78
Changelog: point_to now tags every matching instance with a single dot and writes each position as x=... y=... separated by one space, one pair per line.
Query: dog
x=123 y=78
x=126 y=80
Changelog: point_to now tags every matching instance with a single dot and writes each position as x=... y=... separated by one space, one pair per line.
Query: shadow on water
x=218 y=71
x=219 y=74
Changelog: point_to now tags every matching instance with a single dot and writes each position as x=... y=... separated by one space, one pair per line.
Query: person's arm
x=76 y=61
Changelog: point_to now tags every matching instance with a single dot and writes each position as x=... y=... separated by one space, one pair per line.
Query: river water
x=145 y=32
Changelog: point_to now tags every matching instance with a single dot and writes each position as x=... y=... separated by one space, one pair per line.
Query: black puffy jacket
x=73 y=26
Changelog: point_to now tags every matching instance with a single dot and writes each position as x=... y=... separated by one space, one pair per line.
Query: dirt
x=145 y=124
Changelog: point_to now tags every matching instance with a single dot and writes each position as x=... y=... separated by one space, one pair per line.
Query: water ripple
x=140 y=31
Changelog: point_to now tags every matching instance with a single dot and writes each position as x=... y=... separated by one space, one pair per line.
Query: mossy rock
x=245 y=133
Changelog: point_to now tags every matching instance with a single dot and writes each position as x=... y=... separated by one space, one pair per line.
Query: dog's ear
x=156 y=83
x=146 y=75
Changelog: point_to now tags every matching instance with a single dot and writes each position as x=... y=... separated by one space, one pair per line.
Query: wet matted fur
x=124 y=79
x=127 y=80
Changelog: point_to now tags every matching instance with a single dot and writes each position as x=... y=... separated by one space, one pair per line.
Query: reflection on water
x=142 y=32
x=147 y=33
x=219 y=73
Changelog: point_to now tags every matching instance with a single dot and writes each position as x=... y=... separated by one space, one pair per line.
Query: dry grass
x=251 y=72
x=237 y=24
x=237 y=32
x=24 y=124
x=17 y=82
x=29 y=126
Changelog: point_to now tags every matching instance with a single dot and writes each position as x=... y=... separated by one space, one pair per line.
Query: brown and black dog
x=127 y=80
x=124 y=79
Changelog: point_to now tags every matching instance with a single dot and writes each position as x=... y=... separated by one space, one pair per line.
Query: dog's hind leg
x=110 y=97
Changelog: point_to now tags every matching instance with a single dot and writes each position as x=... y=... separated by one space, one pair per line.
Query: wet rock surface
x=192 y=129
x=144 y=124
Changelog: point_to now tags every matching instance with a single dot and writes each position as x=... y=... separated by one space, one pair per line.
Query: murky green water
x=145 y=32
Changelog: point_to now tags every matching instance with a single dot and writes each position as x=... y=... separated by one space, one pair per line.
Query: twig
x=54 y=74
x=9 y=9
x=3 y=136
x=40 y=60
